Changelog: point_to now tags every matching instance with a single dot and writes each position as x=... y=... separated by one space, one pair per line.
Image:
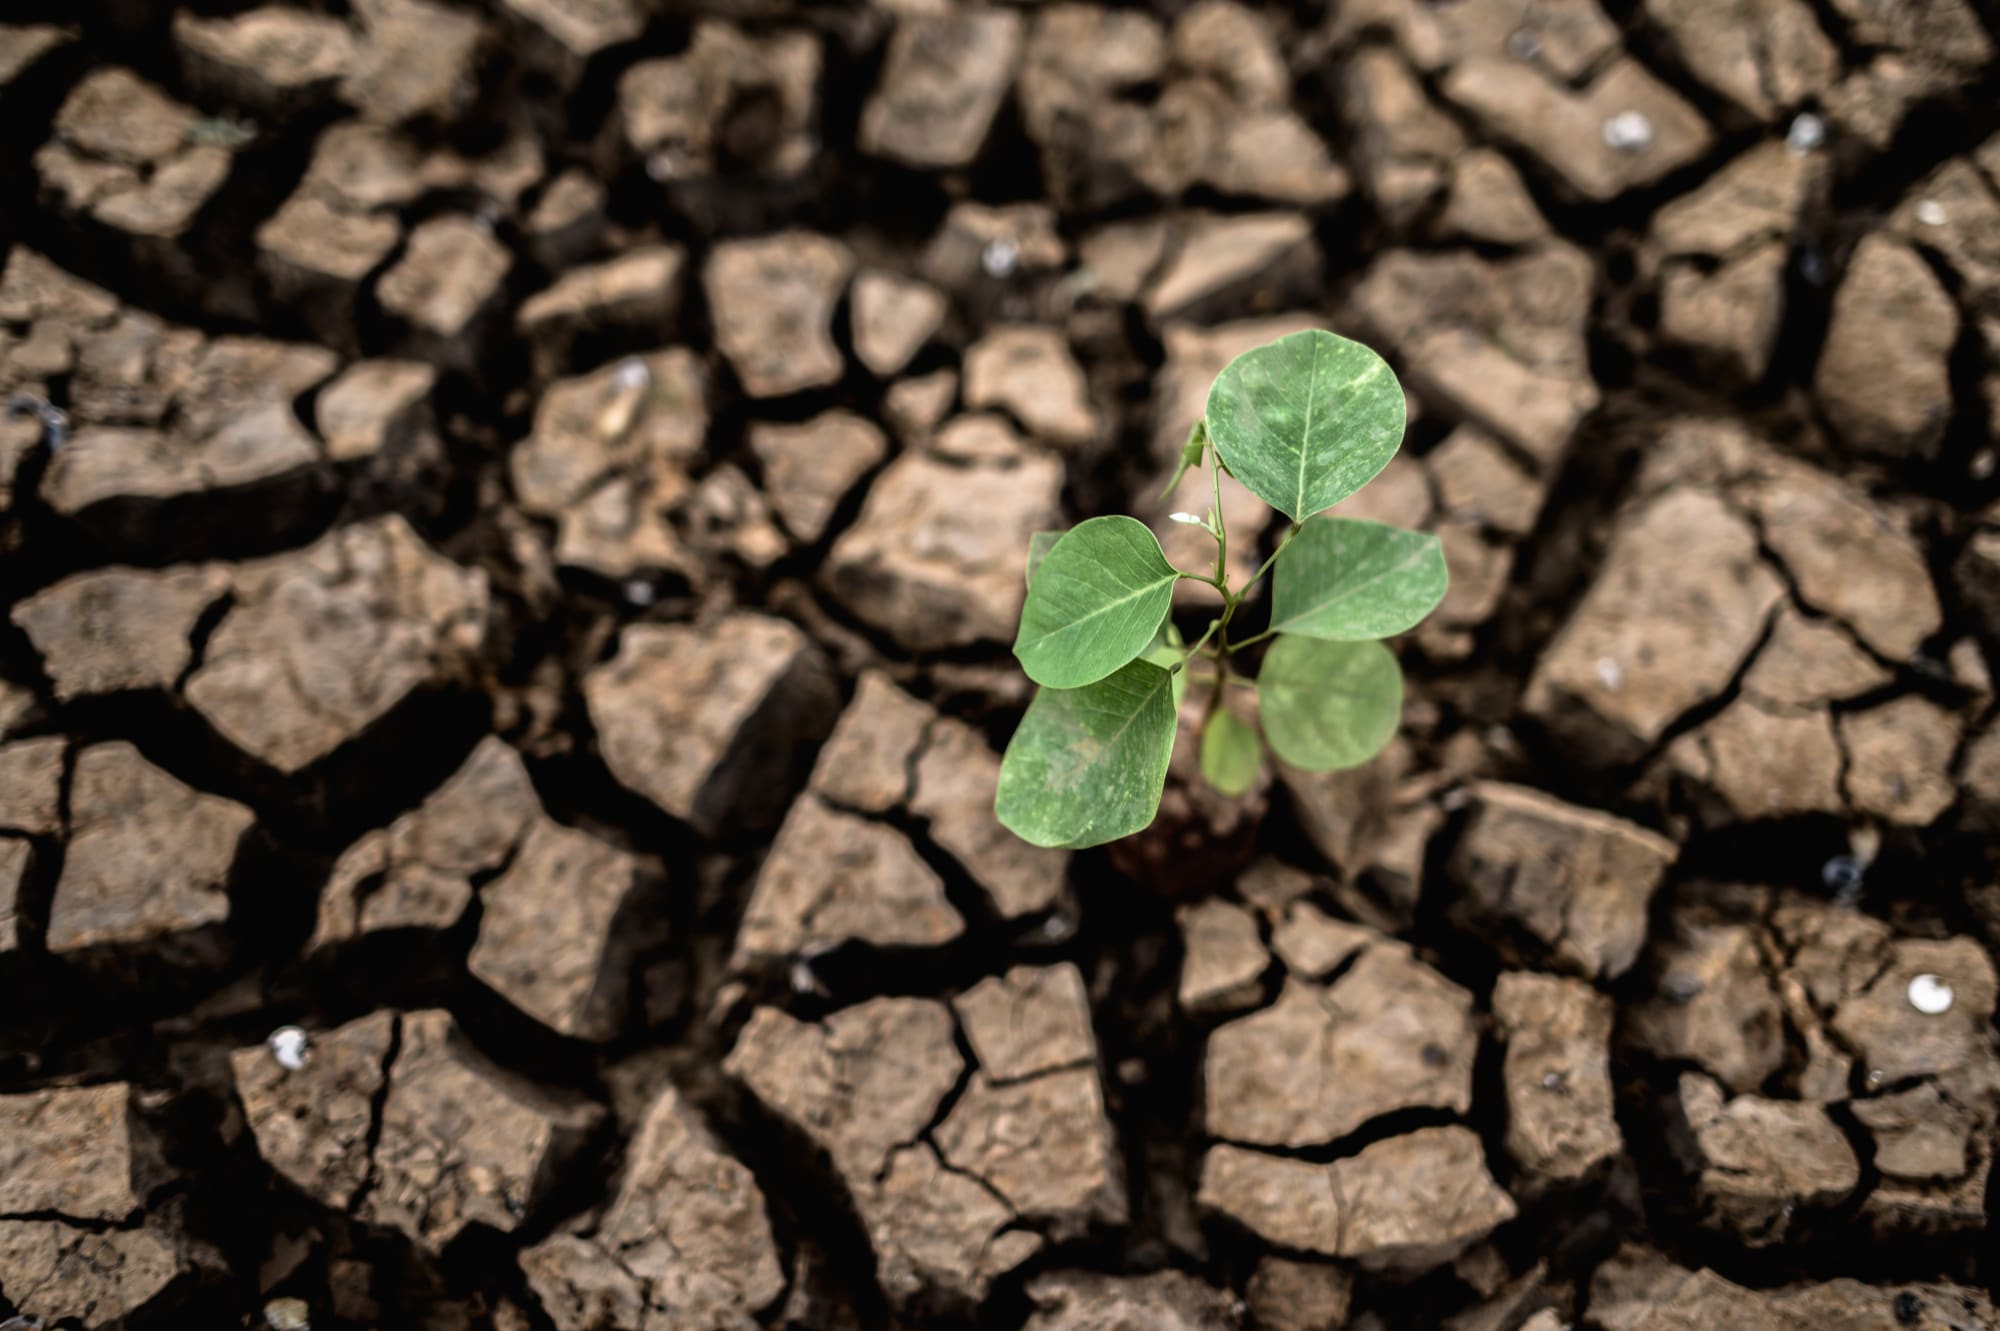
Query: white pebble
x=1000 y=258
x=630 y=374
x=1609 y=673
x=1931 y=213
x=1808 y=132
x=1930 y=995
x=1629 y=132
x=289 y=1045
x=639 y=592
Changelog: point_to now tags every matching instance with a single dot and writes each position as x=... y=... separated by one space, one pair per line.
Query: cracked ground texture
x=512 y=517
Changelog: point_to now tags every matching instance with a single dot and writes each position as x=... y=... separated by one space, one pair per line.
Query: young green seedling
x=1303 y=423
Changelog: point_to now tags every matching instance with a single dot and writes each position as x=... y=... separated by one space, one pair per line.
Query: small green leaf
x=1329 y=705
x=1305 y=421
x=1039 y=546
x=1347 y=580
x=1231 y=753
x=1095 y=602
x=1087 y=765
x=1168 y=650
x=1191 y=455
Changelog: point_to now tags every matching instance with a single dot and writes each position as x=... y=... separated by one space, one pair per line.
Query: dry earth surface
x=511 y=520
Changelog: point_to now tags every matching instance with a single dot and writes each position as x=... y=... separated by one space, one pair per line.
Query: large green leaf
x=1087 y=765
x=1346 y=579
x=1094 y=603
x=1039 y=546
x=1329 y=705
x=1230 y=752
x=1305 y=421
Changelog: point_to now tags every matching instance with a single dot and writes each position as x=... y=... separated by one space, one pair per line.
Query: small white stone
x=639 y=592
x=630 y=374
x=1808 y=132
x=1629 y=132
x=290 y=1045
x=1609 y=673
x=1000 y=258
x=1931 y=213
x=1930 y=995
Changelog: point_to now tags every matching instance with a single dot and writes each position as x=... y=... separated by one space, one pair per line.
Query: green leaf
x=1095 y=602
x=1087 y=765
x=1231 y=753
x=1167 y=650
x=1329 y=705
x=1191 y=455
x=1039 y=546
x=1305 y=421
x=1346 y=579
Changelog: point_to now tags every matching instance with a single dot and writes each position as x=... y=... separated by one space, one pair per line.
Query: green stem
x=1202 y=641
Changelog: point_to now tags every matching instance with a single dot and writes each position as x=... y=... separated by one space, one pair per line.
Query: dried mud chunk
x=1955 y=214
x=1284 y=1295
x=320 y=644
x=1764 y=761
x=1892 y=329
x=1568 y=132
x=1920 y=1136
x=1404 y=145
x=935 y=1230
x=1479 y=481
x=1313 y=944
x=449 y=278
x=942 y=82
x=1730 y=317
x=637 y=291
x=1895 y=1040
x=893 y=316
x=15 y=857
x=1044 y=1144
x=312 y=1123
x=1946 y=31
x=1681 y=600
x=148 y=857
x=1409 y=1203
x=957 y=778
x=416 y=62
x=934 y=560
x=78 y=1153
x=711 y=723
x=234 y=425
x=1766 y=58
x=51 y=1270
x=772 y=300
x=1899 y=759
x=1236 y=46
x=1221 y=264
x=1760 y=195
x=418 y=872
x=115 y=629
x=1808 y=662
x=865 y=764
x=1223 y=957
x=1418 y=1200
x=1029 y=372
x=463 y=1142
x=1499 y=343
x=730 y=105
x=1575 y=880
x=863 y=1086
x=31 y=773
x=1639 y=1290
x=1560 y=1124
x=567 y=221
x=1758 y=1159
x=562 y=35
x=376 y=408
x=1489 y=203
x=686 y=1239
x=628 y=431
x=809 y=468
x=273 y=58
x=554 y=937
x=1163 y=1301
x=834 y=878
x=1389 y=1034
x=1714 y=1005
x=1031 y=1020
x=22 y=45
x=131 y=157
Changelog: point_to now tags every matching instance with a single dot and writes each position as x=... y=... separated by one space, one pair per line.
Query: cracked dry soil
x=511 y=519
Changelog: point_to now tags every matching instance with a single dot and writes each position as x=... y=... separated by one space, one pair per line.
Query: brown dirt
x=511 y=516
